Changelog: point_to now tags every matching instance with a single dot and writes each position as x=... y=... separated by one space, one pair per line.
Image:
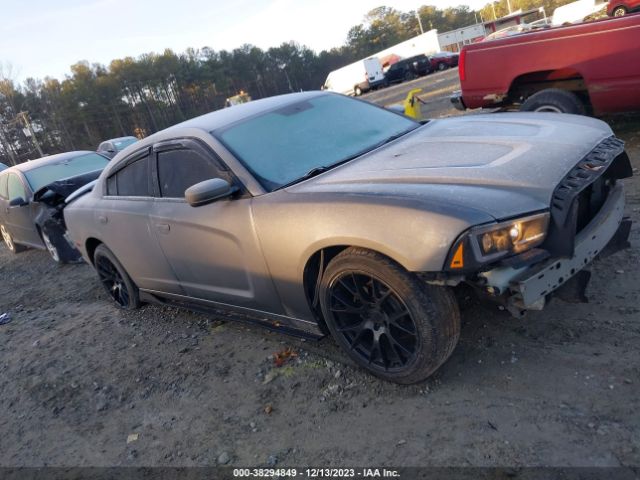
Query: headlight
x=510 y=237
x=488 y=243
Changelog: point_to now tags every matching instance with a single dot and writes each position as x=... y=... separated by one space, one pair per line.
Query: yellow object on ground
x=412 y=104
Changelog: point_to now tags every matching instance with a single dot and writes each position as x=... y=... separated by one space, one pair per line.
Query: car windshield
x=283 y=145
x=41 y=176
x=122 y=144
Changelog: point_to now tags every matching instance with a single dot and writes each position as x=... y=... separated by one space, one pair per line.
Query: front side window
x=70 y=167
x=16 y=188
x=282 y=145
x=181 y=169
x=131 y=180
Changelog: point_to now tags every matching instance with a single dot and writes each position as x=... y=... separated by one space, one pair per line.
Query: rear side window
x=3 y=186
x=131 y=181
x=16 y=189
x=180 y=169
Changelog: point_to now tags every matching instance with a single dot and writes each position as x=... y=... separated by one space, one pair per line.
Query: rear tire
x=619 y=12
x=8 y=240
x=357 y=91
x=386 y=319
x=554 y=100
x=115 y=280
x=442 y=66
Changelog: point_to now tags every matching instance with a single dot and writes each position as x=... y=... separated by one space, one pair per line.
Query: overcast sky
x=45 y=37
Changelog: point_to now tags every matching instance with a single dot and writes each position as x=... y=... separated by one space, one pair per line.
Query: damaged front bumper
x=527 y=288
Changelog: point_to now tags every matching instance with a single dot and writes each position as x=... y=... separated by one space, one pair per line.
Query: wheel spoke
x=356 y=340
x=351 y=290
x=395 y=316
x=124 y=298
x=375 y=352
x=373 y=321
x=382 y=297
x=349 y=305
x=402 y=328
x=362 y=294
x=395 y=343
x=396 y=356
x=348 y=309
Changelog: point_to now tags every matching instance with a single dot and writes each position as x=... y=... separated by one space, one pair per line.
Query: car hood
x=502 y=164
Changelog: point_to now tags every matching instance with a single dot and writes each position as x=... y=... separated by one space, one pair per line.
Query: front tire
x=386 y=319
x=53 y=251
x=554 y=100
x=357 y=91
x=8 y=240
x=115 y=279
x=619 y=12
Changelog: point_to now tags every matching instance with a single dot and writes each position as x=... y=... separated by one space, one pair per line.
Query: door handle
x=163 y=227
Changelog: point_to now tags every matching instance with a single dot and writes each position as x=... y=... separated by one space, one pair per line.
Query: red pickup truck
x=591 y=67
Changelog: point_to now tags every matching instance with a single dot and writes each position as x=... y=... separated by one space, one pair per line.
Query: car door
x=213 y=248
x=19 y=218
x=123 y=225
x=394 y=73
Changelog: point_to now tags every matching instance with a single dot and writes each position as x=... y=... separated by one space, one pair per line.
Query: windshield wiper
x=311 y=173
x=392 y=138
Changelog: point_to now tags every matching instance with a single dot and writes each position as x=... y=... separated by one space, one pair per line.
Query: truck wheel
x=554 y=100
x=357 y=91
x=386 y=319
x=619 y=12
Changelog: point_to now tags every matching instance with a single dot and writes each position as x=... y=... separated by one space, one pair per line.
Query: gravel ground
x=84 y=384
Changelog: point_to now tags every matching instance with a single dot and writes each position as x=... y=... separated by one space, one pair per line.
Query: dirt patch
x=82 y=383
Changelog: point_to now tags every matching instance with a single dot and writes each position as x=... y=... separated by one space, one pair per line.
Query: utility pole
x=7 y=147
x=493 y=7
x=419 y=22
x=27 y=124
x=509 y=6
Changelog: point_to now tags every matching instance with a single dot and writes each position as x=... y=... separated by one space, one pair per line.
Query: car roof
x=118 y=139
x=51 y=159
x=217 y=119
x=226 y=116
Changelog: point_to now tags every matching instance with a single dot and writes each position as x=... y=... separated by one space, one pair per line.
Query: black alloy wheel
x=115 y=279
x=386 y=318
x=374 y=321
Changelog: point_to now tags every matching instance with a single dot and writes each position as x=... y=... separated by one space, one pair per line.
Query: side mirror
x=208 y=191
x=18 y=202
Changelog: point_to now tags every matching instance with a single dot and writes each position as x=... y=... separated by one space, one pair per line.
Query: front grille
x=583 y=191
